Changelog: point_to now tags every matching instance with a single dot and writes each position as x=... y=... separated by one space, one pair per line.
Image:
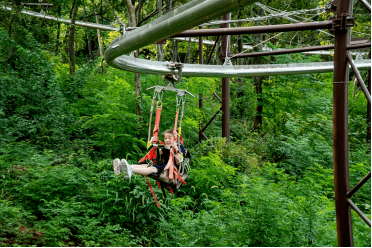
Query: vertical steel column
x=340 y=128
x=225 y=46
x=369 y=109
x=201 y=95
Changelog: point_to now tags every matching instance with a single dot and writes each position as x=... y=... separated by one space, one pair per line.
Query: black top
x=165 y=156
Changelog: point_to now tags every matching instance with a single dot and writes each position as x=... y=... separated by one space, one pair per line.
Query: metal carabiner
x=160 y=96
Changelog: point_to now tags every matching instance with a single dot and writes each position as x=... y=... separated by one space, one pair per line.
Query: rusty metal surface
x=225 y=51
x=353 y=206
x=201 y=95
x=359 y=77
x=340 y=129
x=360 y=184
x=368 y=136
x=298 y=50
x=257 y=29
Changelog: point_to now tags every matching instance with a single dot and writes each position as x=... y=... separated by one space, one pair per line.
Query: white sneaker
x=117 y=167
x=126 y=168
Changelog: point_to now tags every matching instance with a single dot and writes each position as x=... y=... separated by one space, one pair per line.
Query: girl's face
x=168 y=138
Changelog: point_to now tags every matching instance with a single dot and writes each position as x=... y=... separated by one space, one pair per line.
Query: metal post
x=225 y=45
x=201 y=95
x=340 y=128
x=369 y=110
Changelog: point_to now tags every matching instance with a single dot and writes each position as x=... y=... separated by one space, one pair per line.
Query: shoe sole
x=117 y=167
x=125 y=168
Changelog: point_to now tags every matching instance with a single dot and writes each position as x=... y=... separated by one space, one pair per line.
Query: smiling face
x=168 y=139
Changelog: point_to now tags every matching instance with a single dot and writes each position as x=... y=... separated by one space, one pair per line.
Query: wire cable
x=260 y=18
x=113 y=12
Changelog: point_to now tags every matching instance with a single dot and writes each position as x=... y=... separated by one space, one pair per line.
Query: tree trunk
x=240 y=41
x=71 y=42
x=88 y=36
x=98 y=30
x=12 y=35
x=258 y=84
x=169 y=5
x=160 y=56
x=175 y=50
x=258 y=118
x=137 y=77
x=138 y=11
x=58 y=30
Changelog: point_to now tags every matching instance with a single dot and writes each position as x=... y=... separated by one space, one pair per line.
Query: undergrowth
x=50 y=199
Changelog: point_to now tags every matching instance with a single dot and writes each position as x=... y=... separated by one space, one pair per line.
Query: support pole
x=369 y=110
x=340 y=129
x=225 y=46
x=201 y=95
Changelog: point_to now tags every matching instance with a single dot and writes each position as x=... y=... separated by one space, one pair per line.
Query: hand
x=154 y=139
x=175 y=146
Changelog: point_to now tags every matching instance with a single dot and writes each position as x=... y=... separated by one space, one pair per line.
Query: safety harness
x=171 y=176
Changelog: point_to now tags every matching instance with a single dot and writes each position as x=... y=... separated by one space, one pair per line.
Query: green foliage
x=32 y=105
x=268 y=187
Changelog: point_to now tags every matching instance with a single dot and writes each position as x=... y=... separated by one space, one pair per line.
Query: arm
x=178 y=154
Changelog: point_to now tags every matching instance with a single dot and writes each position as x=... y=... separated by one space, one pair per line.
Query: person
x=160 y=163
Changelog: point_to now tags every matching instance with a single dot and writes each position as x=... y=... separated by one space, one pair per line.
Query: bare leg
x=142 y=169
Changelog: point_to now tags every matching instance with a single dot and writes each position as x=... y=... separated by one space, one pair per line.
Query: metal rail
x=183 y=18
x=113 y=28
x=130 y=63
x=53 y=18
x=192 y=14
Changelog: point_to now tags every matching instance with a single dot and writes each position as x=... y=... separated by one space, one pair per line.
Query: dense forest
x=65 y=114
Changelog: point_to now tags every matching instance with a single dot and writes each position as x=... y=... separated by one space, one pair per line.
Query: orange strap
x=178 y=176
x=169 y=165
x=175 y=126
x=155 y=132
x=170 y=189
x=152 y=192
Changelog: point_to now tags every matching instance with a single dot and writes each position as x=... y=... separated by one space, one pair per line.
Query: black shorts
x=160 y=167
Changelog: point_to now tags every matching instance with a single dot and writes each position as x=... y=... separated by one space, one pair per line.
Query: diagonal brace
x=366 y=4
x=360 y=184
x=353 y=206
x=214 y=116
x=359 y=77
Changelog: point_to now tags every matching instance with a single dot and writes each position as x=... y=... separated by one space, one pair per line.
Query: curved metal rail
x=188 y=16
x=185 y=17
x=130 y=63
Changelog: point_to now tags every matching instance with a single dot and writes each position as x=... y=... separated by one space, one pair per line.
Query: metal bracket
x=173 y=67
x=358 y=57
x=342 y=23
x=170 y=87
x=122 y=30
x=332 y=6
